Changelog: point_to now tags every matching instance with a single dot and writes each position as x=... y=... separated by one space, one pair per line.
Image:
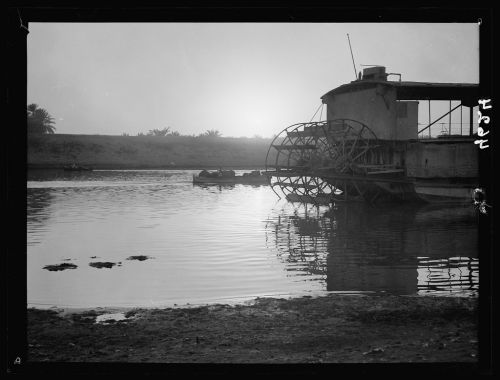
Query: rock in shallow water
x=62 y=266
x=140 y=258
x=100 y=265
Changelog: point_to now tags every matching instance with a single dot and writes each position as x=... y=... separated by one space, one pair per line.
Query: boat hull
x=444 y=192
x=78 y=169
x=242 y=180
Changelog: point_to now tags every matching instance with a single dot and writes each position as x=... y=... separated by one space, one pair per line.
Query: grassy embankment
x=148 y=152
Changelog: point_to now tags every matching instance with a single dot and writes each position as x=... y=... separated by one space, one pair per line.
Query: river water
x=213 y=244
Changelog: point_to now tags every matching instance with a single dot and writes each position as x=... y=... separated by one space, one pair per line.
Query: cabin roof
x=467 y=93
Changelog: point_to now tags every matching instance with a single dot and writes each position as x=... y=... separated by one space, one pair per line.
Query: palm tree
x=212 y=133
x=159 y=132
x=39 y=120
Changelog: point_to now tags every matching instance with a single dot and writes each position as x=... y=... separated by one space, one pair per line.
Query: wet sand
x=331 y=329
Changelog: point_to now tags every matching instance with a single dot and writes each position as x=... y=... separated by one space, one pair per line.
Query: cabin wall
x=407 y=120
x=437 y=160
x=375 y=107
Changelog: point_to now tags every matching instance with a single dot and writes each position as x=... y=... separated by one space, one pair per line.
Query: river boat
x=253 y=178
x=379 y=142
x=76 y=168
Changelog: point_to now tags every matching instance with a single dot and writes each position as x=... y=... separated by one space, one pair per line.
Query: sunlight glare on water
x=217 y=243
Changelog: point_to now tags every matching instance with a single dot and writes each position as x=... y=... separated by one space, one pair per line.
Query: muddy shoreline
x=330 y=329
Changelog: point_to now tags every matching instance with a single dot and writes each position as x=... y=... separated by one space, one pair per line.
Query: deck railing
x=444 y=129
x=441 y=128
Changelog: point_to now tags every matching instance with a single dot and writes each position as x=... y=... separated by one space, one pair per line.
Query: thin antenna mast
x=352 y=56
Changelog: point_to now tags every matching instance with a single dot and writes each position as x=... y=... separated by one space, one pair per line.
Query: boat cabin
x=391 y=108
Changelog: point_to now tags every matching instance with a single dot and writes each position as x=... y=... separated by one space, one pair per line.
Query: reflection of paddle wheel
x=299 y=238
x=328 y=161
x=360 y=247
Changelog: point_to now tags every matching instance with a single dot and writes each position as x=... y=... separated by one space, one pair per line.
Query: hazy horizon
x=242 y=79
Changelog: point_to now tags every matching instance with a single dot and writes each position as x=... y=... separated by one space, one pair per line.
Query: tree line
x=41 y=122
x=168 y=132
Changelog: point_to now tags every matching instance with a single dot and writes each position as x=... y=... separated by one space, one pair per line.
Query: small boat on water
x=230 y=178
x=76 y=168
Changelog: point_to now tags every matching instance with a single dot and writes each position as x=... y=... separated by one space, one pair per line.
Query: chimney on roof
x=374 y=73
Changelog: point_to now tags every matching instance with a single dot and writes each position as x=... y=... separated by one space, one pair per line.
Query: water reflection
x=58 y=178
x=38 y=211
x=402 y=250
x=222 y=187
x=211 y=187
x=219 y=242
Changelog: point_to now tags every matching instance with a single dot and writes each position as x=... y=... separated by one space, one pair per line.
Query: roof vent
x=374 y=73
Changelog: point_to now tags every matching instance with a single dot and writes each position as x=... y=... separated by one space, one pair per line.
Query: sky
x=242 y=79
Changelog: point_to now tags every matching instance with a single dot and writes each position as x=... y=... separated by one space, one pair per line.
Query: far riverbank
x=145 y=152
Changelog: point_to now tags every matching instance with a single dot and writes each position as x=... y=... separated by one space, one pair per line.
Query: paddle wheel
x=326 y=161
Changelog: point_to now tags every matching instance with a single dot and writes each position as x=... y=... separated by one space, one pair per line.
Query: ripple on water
x=229 y=242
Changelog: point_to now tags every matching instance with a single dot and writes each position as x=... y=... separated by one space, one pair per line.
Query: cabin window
x=402 y=110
